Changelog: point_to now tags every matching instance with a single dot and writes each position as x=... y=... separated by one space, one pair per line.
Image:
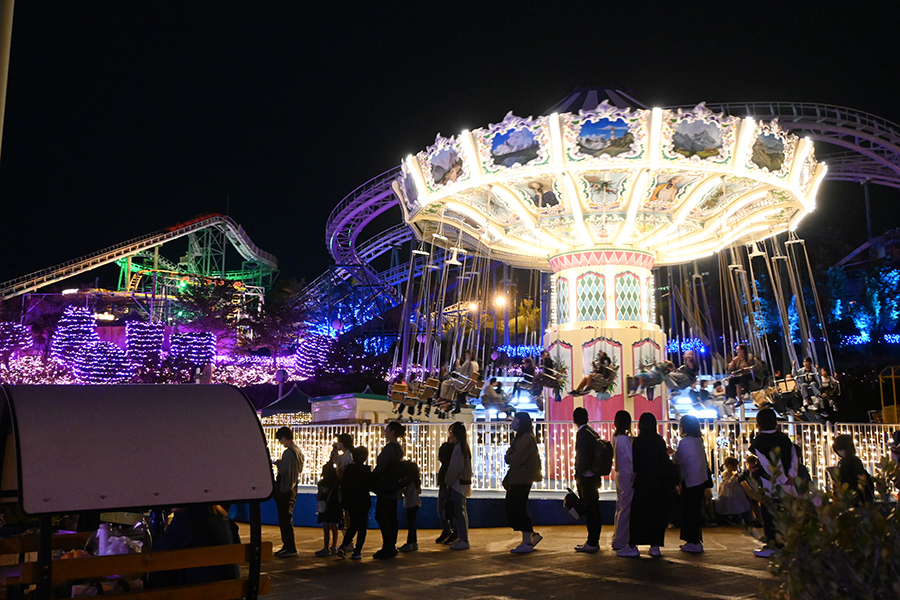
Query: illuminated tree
x=75 y=330
x=102 y=363
x=13 y=338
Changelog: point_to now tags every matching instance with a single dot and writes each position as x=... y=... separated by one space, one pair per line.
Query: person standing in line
x=524 y=469
x=851 y=471
x=653 y=481
x=342 y=457
x=328 y=508
x=289 y=466
x=388 y=464
x=772 y=447
x=459 y=481
x=355 y=500
x=412 y=502
x=624 y=478
x=691 y=457
x=444 y=503
x=588 y=482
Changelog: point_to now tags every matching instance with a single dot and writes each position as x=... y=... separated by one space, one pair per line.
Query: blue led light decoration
x=102 y=363
x=13 y=338
x=194 y=348
x=75 y=330
x=144 y=343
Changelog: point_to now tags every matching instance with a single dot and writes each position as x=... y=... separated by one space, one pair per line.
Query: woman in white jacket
x=624 y=478
x=459 y=481
x=691 y=457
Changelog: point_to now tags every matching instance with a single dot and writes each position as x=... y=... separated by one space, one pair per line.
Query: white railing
x=556 y=443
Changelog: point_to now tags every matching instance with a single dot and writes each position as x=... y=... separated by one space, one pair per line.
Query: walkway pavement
x=726 y=570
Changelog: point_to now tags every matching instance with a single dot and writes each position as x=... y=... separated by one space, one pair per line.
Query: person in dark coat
x=196 y=527
x=355 y=499
x=588 y=482
x=444 y=503
x=653 y=481
x=852 y=472
x=387 y=463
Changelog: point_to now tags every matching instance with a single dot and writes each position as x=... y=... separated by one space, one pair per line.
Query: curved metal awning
x=67 y=448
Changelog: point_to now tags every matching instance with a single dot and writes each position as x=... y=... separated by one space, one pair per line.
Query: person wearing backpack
x=385 y=476
x=587 y=476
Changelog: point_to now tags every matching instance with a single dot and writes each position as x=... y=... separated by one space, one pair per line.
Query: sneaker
x=333 y=551
x=628 y=552
x=385 y=553
x=654 y=552
x=323 y=552
x=764 y=552
x=453 y=537
x=341 y=552
x=523 y=548
x=356 y=556
x=286 y=553
x=692 y=548
x=445 y=535
x=587 y=548
x=459 y=545
x=407 y=547
x=536 y=538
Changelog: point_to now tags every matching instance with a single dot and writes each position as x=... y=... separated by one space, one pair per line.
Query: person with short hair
x=355 y=499
x=850 y=471
x=691 y=457
x=587 y=481
x=289 y=466
x=778 y=466
x=388 y=462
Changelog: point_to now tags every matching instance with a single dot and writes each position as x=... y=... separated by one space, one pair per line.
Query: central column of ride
x=603 y=300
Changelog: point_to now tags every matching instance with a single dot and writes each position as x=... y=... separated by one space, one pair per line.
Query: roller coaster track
x=233 y=232
x=873 y=155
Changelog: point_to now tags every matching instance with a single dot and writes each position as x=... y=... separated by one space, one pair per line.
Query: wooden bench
x=131 y=566
x=133 y=464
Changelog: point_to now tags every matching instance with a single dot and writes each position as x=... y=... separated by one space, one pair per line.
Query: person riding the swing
x=548 y=377
x=744 y=368
x=601 y=377
x=676 y=379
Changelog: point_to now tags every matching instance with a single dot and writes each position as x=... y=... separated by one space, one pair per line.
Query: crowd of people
x=651 y=479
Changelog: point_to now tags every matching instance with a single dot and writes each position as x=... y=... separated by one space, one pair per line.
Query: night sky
x=123 y=118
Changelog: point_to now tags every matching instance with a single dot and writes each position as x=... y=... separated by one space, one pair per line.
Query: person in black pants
x=355 y=499
x=388 y=463
x=524 y=469
x=444 y=504
x=588 y=481
x=289 y=466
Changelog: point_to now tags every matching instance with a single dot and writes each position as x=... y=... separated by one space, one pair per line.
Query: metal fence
x=556 y=444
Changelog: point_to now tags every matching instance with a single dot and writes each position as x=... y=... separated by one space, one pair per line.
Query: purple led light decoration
x=102 y=362
x=194 y=348
x=144 y=343
x=74 y=331
x=13 y=338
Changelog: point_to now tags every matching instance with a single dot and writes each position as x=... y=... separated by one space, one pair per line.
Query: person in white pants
x=624 y=478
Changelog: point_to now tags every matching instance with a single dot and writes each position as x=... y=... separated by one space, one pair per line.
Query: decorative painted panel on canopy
x=679 y=184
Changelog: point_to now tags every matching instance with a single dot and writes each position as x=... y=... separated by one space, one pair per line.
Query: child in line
x=355 y=499
x=412 y=502
x=328 y=507
x=733 y=502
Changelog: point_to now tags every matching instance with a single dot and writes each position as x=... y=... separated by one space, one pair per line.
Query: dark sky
x=126 y=117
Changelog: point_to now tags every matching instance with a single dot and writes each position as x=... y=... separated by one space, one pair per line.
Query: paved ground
x=727 y=569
